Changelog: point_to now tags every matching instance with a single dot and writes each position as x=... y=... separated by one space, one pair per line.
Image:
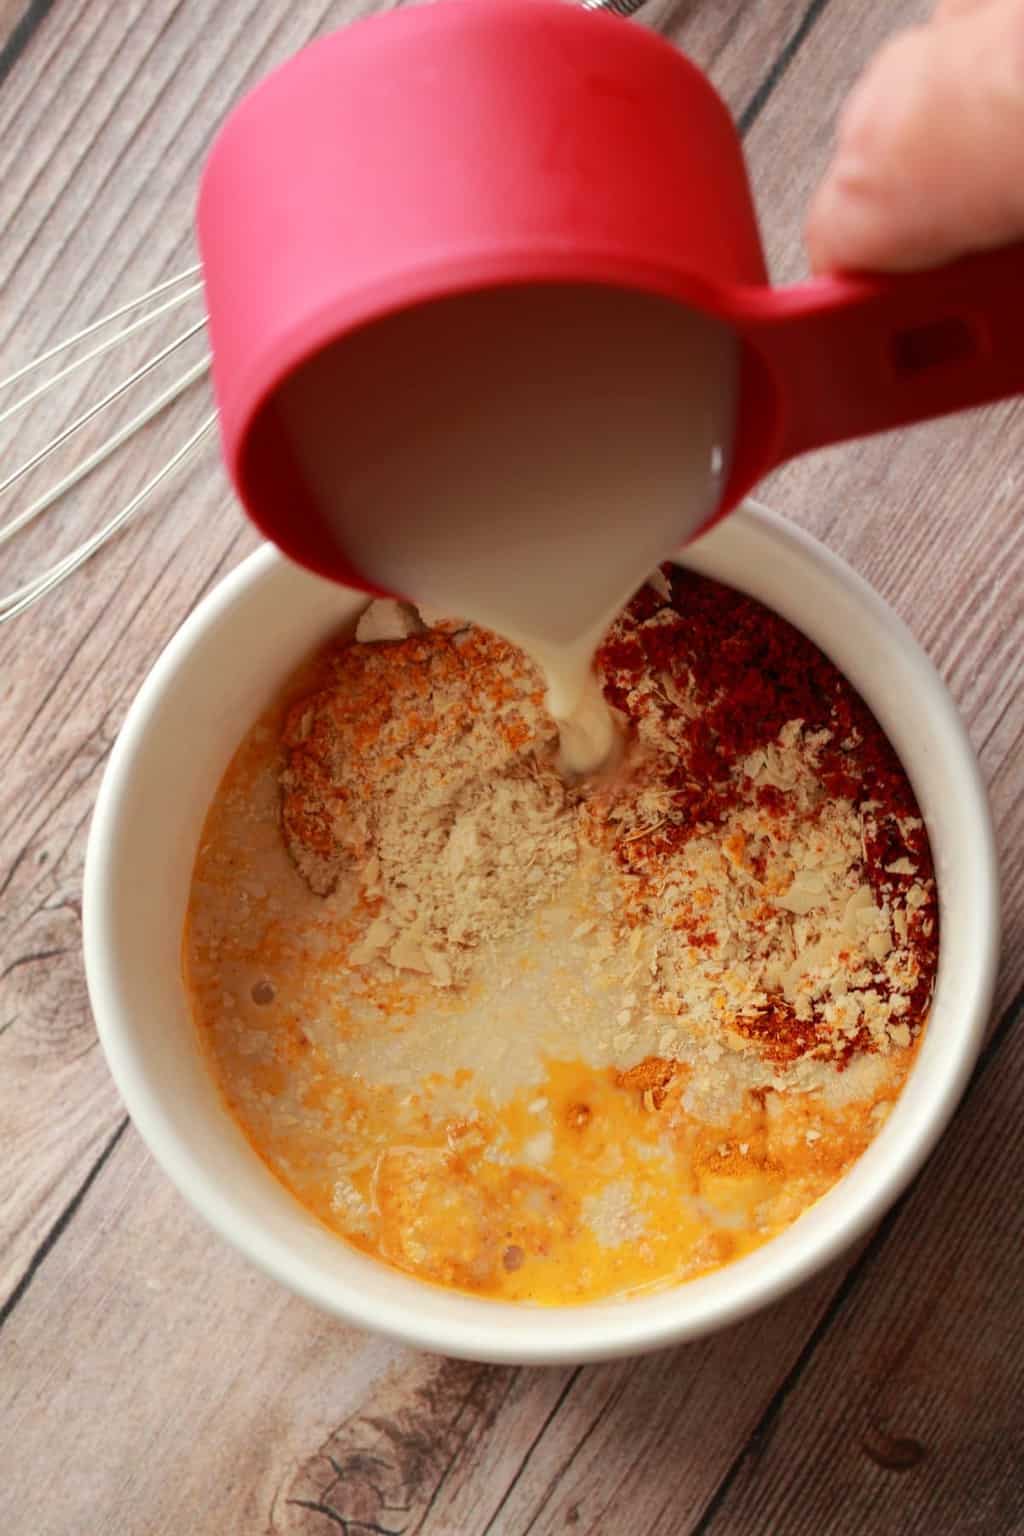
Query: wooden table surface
x=151 y=1381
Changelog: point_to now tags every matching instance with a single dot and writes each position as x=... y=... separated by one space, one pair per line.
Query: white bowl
x=211 y=682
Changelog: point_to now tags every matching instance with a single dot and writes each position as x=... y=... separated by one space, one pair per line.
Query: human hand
x=929 y=162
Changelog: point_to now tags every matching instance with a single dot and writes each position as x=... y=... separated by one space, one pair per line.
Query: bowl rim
x=593 y=1331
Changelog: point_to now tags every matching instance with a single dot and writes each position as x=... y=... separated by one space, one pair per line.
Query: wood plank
x=101 y=676
x=141 y=88
x=98 y=87
x=931 y=517
x=140 y=1337
x=232 y=1402
x=907 y=1420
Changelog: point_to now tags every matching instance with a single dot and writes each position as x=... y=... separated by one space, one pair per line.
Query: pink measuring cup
x=472 y=144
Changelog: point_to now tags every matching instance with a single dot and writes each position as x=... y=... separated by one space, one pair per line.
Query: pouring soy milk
x=480 y=279
x=521 y=457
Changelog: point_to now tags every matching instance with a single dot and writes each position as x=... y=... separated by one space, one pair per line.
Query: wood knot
x=895 y=1453
x=380 y=1470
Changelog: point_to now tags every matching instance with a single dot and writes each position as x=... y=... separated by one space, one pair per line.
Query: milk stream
x=522 y=458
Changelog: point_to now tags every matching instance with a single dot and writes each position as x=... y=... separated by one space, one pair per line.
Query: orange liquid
x=480 y=1139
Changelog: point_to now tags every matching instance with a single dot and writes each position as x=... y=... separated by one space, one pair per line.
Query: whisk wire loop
x=16 y=602
x=97 y=325
x=105 y=346
x=23 y=597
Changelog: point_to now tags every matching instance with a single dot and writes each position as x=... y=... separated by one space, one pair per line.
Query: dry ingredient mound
x=555 y=1043
x=428 y=767
x=772 y=877
x=769 y=840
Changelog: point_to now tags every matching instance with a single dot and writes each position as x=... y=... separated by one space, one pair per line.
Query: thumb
x=930 y=156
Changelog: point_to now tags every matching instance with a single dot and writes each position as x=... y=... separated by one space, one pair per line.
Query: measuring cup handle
x=860 y=354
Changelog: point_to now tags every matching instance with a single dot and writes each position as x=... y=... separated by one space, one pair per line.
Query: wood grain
x=153 y=1381
x=907 y=1419
x=102 y=129
x=931 y=517
x=232 y=1400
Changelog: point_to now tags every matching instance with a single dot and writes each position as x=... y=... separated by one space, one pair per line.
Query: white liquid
x=522 y=458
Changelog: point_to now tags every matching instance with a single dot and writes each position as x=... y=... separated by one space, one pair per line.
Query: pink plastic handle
x=862 y=354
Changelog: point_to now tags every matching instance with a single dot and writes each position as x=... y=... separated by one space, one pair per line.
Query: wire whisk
x=172 y=293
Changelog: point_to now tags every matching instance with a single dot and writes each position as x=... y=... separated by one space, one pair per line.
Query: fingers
x=947 y=9
x=930 y=155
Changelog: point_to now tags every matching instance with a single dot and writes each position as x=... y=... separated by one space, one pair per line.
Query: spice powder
x=547 y=1042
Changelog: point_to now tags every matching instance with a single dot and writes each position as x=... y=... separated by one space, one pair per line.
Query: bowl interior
x=219 y=672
